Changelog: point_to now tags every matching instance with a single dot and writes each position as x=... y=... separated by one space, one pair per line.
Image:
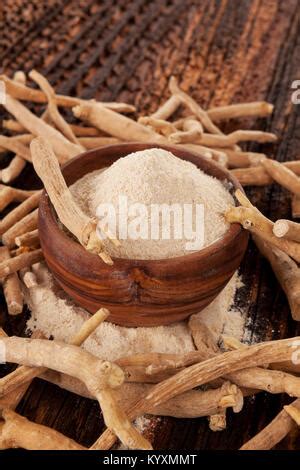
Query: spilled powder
x=56 y=315
x=148 y=177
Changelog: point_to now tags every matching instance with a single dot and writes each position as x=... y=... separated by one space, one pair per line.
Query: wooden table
x=223 y=51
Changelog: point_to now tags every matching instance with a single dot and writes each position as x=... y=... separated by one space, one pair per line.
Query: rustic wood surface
x=224 y=51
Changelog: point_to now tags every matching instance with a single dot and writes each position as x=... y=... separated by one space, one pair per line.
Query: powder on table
x=149 y=177
x=56 y=315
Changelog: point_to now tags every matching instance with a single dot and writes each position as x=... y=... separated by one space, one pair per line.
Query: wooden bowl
x=139 y=292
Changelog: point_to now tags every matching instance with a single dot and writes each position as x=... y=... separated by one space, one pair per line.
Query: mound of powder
x=56 y=315
x=155 y=177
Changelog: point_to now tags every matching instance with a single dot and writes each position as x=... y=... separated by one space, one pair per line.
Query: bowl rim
x=232 y=232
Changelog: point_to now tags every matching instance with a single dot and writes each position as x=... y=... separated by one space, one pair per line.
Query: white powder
x=56 y=315
x=149 y=177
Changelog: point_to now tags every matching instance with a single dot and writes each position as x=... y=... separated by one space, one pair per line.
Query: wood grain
x=225 y=52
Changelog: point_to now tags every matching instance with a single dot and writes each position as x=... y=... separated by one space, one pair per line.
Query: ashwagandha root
x=25 y=93
x=159 y=125
x=95 y=142
x=205 y=372
x=193 y=106
x=11 y=287
x=28 y=278
x=26 y=374
x=20 y=77
x=15 y=145
x=293 y=412
x=13 y=170
x=24 y=260
x=63 y=148
x=287 y=229
x=287 y=273
x=115 y=124
x=30 y=239
x=235 y=137
x=192 y=131
x=239 y=159
x=9 y=195
x=192 y=404
x=28 y=223
x=69 y=213
x=12 y=399
x=274 y=432
x=233 y=111
x=251 y=219
x=167 y=109
x=258 y=176
x=295 y=206
x=98 y=375
x=282 y=175
x=18 y=432
x=52 y=108
x=79 y=131
x=19 y=212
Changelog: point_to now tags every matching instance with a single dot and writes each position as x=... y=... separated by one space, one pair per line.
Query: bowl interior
x=105 y=156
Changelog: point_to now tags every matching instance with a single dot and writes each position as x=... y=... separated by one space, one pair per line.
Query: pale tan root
x=217 y=421
x=25 y=93
x=192 y=130
x=12 y=399
x=11 y=287
x=52 y=113
x=296 y=206
x=205 y=372
x=167 y=109
x=250 y=378
x=63 y=148
x=287 y=273
x=30 y=239
x=235 y=137
x=9 y=195
x=52 y=109
x=258 y=176
x=28 y=278
x=97 y=375
x=79 y=131
x=24 y=260
x=15 y=145
x=95 y=142
x=20 y=77
x=12 y=125
x=192 y=404
x=238 y=159
x=18 y=432
x=287 y=229
x=25 y=374
x=274 y=432
x=13 y=170
x=254 y=221
x=115 y=124
x=233 y=111
x=193 y=106
x=27 y=224
x=282 y=175
x=159 y=125
x=69 y=213
x=293 y=412
x=19 y=212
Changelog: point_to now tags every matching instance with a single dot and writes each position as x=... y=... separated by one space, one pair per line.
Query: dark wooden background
x=223 y=51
